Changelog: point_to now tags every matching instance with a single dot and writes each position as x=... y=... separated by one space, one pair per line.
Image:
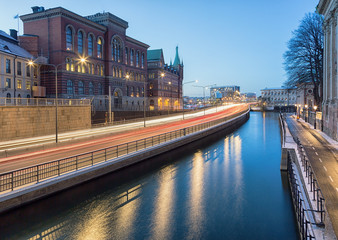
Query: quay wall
x=40 y=190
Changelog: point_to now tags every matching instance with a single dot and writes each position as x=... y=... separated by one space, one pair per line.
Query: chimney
x=37 y=9
x=14 y=33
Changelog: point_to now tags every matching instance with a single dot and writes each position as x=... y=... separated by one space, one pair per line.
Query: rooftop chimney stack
x=14 y=33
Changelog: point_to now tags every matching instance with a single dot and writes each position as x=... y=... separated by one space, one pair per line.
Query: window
x=137 y=58
x=28 y=85
x=19 y=84
x=69 y=64
x=69 y=87
x=80 y=43
x=91 y=88
x=80 y=88
x=35 y=71
x=120 y=73
x=126 y=54
x=69 y=39
x=8 y=83
x=99 y=88
x=132 y=92
x=90 y=45
x=28 y=70
x=132 y=57
x=116 y=50
x=102 y=73
x=8 y=96
x=19 y=69
x=99 y=48
x=142 y=60
x=138 y=92
x=114 y=72
x=8 y=66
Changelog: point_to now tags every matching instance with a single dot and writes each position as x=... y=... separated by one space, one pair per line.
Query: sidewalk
x=322 y=152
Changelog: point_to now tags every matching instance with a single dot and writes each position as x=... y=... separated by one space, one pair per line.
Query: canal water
x=227 y=186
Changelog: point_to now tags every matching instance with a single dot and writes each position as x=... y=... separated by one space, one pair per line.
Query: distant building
x=165 y=81
x=113 y=60
x=305 y=95
x=250 y=96
x=17 y=78
x=225 y=92
x=329 y=8
x=273 y=97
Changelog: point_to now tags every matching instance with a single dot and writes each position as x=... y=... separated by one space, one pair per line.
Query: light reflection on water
x=225 y=187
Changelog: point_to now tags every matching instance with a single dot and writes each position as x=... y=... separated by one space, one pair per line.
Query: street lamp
x=315 y=122
x=196 y=81
x=204 y=87
x=144 y=102
x=82 y=60
x=306 y=113
x=169 y=100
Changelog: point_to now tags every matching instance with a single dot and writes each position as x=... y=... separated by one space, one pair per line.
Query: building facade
x=226 y=93
x=17 y=78
x=273 y=97
x=329 y=8
x=93 y=55
x=165 y=82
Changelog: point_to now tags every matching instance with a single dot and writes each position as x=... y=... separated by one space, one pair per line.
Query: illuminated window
x=102 y=72
x=80 y=43
x=78 y=68
x=90 y=45
x=138 y=92
x=83 y=68
x=80 y=88
x=120 y=73
x=8 y=83
x=69 y=39
x=132 y=92
x=99 y=47
x=19 y=84
x=93 y=69
x=28 y=85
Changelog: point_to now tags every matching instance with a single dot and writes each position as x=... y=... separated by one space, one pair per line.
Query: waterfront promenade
x=322 y=153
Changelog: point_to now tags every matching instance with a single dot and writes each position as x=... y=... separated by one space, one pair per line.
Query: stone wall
x=21 y=122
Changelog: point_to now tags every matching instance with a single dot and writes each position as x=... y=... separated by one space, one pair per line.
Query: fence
x=34 y=174
x=317 y=194
x=43 y=102
x=302 y=219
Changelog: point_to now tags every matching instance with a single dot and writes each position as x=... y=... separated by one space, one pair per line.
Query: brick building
x=165 y=82
x=113 y=60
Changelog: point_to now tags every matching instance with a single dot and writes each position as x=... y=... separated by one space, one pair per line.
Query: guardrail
x=34 y=174
x=302 y=219
x=43 y=102
x=282 y=123
x=317 y=194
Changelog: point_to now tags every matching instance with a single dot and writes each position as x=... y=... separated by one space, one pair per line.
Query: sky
x=222 y=42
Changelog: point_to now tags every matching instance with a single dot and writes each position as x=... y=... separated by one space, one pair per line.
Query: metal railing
x=34 y=174
x=283 y=130
x=317 y=194
x=302 y=219
x=43 y=102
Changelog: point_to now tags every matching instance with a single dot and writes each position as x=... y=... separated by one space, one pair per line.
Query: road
x=29 y=159
x=324 y=161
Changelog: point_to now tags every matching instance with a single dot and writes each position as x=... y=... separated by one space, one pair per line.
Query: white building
x=17 y=78
x=279 y=96
x=329 y=8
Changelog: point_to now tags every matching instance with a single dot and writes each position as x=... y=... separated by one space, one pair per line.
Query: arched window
x=137 y=58
x=126 y=56
x=132 y=57
x=114 y=73
x=99 y=47
x=132 y=92
x=120 y=73
x=102 y=72
x=142 y=60
x=8 y=96
x=69 y=39
x=116 y=50
x=80 y=43
x=90 y=45
x=70 y=87
x=98 y=69
x=69 y=64
x=99 y=88
x=80 y=88
x=91 y=88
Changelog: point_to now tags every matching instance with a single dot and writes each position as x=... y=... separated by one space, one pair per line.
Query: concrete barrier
x=42 y=189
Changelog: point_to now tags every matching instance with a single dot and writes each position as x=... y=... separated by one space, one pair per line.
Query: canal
x=227 y=186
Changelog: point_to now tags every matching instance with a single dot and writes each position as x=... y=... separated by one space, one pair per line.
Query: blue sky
x=222 y=42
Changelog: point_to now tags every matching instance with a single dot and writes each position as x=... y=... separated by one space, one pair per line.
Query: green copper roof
x=155 y=54
x=177 y=58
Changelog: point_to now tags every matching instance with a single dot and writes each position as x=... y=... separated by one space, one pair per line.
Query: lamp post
x=183 y=94
x=82 y=60
x=306 y=113
x=169 y=100
x=144 y=102
x=204 y=87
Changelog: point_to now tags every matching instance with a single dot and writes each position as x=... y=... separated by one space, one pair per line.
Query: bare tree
x=303 y=60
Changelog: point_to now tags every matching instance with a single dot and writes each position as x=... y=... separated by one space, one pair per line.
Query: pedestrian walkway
x=322 y=153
